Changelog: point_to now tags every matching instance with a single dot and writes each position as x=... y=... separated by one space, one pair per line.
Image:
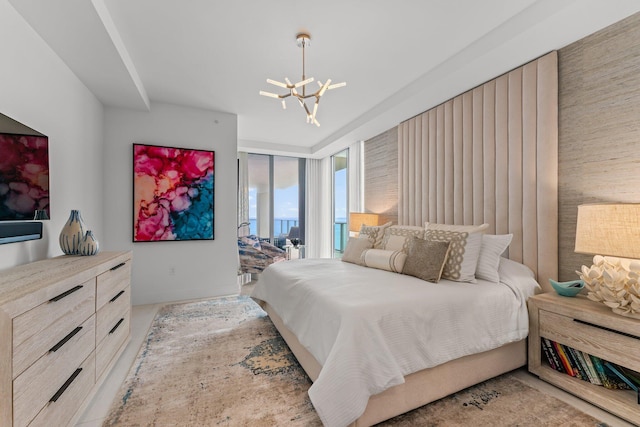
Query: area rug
x=221 y=362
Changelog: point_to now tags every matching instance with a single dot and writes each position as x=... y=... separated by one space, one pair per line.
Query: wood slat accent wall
x=489 y=156
x=599 y=128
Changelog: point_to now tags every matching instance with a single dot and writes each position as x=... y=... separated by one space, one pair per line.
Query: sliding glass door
x=276 y=197
x=340 y=178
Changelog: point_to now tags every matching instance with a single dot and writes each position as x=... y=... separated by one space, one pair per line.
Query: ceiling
x=398 y=58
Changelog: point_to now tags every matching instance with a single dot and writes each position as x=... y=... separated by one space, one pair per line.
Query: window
x=340 y=177
x=276 y=197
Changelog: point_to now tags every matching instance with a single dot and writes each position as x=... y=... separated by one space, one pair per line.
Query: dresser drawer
x=110 y=313
x=40 y=318
x=113 y=341
x=69 y=398
x=590 y=338
x=111 y=282
x=39 y=383
x=56 y=330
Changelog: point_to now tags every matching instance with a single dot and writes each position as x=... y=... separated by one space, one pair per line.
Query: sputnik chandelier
x=303 y=40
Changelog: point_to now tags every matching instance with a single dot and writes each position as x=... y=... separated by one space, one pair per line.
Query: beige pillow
x=426 y=259
x=397 y=237
x=354 y=249
x=374 y=232
x=384 y=260
x=463 y=253
x=459 y=228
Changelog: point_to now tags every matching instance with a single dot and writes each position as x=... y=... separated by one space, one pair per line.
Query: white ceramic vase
x=89 y=244
x=72 y=234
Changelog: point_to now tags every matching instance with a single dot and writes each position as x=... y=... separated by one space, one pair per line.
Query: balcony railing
x=281 y=226
x=340 y=237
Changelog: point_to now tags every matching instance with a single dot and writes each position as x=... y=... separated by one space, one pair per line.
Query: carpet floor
x=221 y=362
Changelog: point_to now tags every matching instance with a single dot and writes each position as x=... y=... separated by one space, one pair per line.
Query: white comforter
x=369 y=328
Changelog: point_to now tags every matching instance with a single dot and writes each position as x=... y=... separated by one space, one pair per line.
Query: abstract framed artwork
x=24 y=176
x=173 y=193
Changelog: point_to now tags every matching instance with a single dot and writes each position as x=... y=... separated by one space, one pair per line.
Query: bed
x=370 y=330
x=486 y=156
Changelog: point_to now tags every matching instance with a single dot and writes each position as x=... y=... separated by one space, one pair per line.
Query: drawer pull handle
x=64 y=294
x=607 y=329
x=122 y=264
x=64 y=340
x=117 y=296
x=66 y=385
x=116 y=327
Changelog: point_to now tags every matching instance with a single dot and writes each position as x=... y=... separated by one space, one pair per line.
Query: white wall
x=39 y=90
x=201 y=268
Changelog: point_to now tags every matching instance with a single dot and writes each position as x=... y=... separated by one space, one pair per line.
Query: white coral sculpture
x=614 y=282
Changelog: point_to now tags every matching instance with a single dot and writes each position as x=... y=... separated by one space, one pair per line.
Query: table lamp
x=611 y=232
x=357 y=219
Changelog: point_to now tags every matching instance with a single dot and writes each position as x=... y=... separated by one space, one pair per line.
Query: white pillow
x=493 y=246
x=459 y=228
x=384 y=260
x=398 y=237
x=463 y=253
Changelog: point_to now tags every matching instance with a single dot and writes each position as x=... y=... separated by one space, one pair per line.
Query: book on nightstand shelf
x=590 y=368
x=553 y=359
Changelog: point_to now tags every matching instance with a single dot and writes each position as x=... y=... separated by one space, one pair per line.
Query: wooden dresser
x=63 y=323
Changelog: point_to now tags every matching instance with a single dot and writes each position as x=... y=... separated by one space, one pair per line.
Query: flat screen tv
x=24 y=177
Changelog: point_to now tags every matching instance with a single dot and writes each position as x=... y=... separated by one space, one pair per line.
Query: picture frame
x=173 y=193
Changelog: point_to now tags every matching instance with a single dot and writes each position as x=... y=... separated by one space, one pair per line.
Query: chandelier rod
x=304 y=91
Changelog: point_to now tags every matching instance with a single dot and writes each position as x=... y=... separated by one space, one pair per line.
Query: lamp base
x=615 y=283
x=626 y=313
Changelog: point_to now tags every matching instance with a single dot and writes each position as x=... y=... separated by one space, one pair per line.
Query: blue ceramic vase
x=72 y=234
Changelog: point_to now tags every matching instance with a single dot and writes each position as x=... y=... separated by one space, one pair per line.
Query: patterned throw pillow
x=397 y=237
x=426 y=259
x=463 y=253
x=353 y=250
x=384 y=260
x=375 y=233
x=491 y=249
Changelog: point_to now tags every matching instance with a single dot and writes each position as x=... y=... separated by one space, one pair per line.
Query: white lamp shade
x=609 y=229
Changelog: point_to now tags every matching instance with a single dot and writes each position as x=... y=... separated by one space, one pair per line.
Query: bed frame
x=489 y=155
x=421 y=387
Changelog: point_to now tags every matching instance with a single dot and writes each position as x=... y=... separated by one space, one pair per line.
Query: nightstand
x=594 y=329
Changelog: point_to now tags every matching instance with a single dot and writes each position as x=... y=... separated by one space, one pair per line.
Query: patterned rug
x=221 y=362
